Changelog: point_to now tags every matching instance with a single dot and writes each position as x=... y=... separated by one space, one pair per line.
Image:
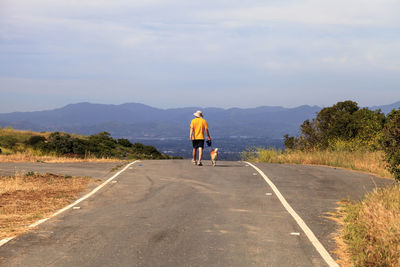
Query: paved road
x=99 y=170
x=171 y=213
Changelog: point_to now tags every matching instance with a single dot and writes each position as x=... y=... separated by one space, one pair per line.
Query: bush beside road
x=63 y=147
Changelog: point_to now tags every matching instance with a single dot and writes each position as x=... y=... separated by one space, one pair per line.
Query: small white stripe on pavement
x=318 y=246
x=3 y=241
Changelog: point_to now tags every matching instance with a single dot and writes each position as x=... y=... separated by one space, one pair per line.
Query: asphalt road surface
x=172 y=213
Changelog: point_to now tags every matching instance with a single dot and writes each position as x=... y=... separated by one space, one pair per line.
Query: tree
x=290 y=141
x=335 y=122
x=367 y=125
x=35 y=140
x=391 y=142
x=343 y=126
x=310 y=135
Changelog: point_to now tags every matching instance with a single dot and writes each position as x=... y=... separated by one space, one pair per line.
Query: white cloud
x=160 y=44
x=335 y=12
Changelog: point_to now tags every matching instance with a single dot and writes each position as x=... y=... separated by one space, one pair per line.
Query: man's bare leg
x=194 y=155
x=200 y=154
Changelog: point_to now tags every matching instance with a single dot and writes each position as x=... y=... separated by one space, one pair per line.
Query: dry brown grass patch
x=365 y=161
x=370 y=234
x=31 y=157
x=10 y=131
x=372 y=162
x=342 y=248
x=25 y=199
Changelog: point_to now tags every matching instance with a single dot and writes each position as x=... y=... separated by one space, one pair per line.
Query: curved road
x=172 y=213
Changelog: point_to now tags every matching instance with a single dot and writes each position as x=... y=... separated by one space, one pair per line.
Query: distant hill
x=134 y=120
x=387 y=108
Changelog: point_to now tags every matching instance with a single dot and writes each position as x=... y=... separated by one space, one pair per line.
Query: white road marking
x=4 y=241
x=313 y=239
x=268 y=194
x=76 y=208
x=294 y=233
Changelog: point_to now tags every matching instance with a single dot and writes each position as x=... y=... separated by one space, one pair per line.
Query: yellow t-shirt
x=199 y=125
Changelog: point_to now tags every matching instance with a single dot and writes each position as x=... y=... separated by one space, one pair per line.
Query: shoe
x=194 y=162
x=200 y=164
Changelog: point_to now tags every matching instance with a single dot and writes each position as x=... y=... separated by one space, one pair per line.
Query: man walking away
x=197 y=128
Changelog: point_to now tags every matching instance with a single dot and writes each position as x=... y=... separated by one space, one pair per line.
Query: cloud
x=263 y=47
x=338 y=12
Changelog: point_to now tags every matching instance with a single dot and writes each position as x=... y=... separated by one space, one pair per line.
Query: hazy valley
x=232 y=130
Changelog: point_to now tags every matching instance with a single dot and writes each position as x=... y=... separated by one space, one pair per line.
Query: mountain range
x=134 y=120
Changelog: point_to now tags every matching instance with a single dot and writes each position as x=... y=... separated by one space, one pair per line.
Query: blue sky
x=176 y=53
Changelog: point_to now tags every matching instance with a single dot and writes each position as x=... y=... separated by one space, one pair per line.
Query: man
x=197 y=128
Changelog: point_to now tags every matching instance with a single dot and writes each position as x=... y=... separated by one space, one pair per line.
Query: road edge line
x=5 y=240
x=310 y=235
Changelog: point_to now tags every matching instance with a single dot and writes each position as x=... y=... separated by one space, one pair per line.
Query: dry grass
x=27 y=133
x=370 y=234
x=34 y=157
x=341 y=250
x=25 y=199
x=371 y=162
x=10 y=131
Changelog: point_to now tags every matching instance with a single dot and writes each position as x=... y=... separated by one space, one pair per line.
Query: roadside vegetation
x=343 y=135
x=367 y=161
x=28 y=197
x=354 y=138
x=370 y=233
x=30 y=146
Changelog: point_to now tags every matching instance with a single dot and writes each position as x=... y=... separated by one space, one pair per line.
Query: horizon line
x=187 y=107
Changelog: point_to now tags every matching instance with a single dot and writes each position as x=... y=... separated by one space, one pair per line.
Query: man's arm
x=208 y=134
x=191 y=133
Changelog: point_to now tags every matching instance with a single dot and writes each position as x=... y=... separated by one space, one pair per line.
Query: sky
x=209 y=53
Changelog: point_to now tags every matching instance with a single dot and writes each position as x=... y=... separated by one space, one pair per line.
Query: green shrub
x=268 y=155
x=250 y=154
x=124 y=142
x=60 y=143
x=100 y=145
x=391 y=142
x=79 y=147
x=35 y=140
x=260 y=154
x=8 y=141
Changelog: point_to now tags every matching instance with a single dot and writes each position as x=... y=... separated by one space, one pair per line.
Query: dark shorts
x=198 y=143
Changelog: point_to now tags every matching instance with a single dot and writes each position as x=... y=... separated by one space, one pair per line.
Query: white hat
x=198 y=114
